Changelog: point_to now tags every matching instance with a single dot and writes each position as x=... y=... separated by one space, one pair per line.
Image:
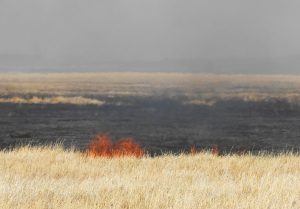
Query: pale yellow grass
x=53 y=100
x=55 y=178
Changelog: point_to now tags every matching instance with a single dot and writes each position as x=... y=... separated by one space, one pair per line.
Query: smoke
x=200 y=36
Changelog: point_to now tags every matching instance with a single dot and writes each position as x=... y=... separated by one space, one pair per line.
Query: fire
x=103 y=146
x=214 y=150
x=194 y=150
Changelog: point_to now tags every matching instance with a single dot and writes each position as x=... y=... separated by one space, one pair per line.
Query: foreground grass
x=51 y=177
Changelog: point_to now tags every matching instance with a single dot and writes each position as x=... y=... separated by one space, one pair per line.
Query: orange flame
x=103 y=146
x=215 y=150
x=194 y=150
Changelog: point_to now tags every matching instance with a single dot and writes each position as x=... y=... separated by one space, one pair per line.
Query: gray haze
x=232 y=36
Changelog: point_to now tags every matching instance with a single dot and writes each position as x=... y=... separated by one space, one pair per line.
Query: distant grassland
x=51 y=177
x=52 y=100
x=196 y=89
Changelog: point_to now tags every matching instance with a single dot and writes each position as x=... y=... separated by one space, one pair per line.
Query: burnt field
x=163 y=112
x=158 y=124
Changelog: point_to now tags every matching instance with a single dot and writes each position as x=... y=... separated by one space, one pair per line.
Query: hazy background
x=232 y=36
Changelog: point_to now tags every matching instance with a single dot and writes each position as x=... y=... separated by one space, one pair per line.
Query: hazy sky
x=247 y=36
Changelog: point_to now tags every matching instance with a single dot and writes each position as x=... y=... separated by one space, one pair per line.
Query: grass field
x=197 y=89
x=51 y=177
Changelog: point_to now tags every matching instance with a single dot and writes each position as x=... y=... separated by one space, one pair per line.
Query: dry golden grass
x=53 y=100
x=51 y=177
